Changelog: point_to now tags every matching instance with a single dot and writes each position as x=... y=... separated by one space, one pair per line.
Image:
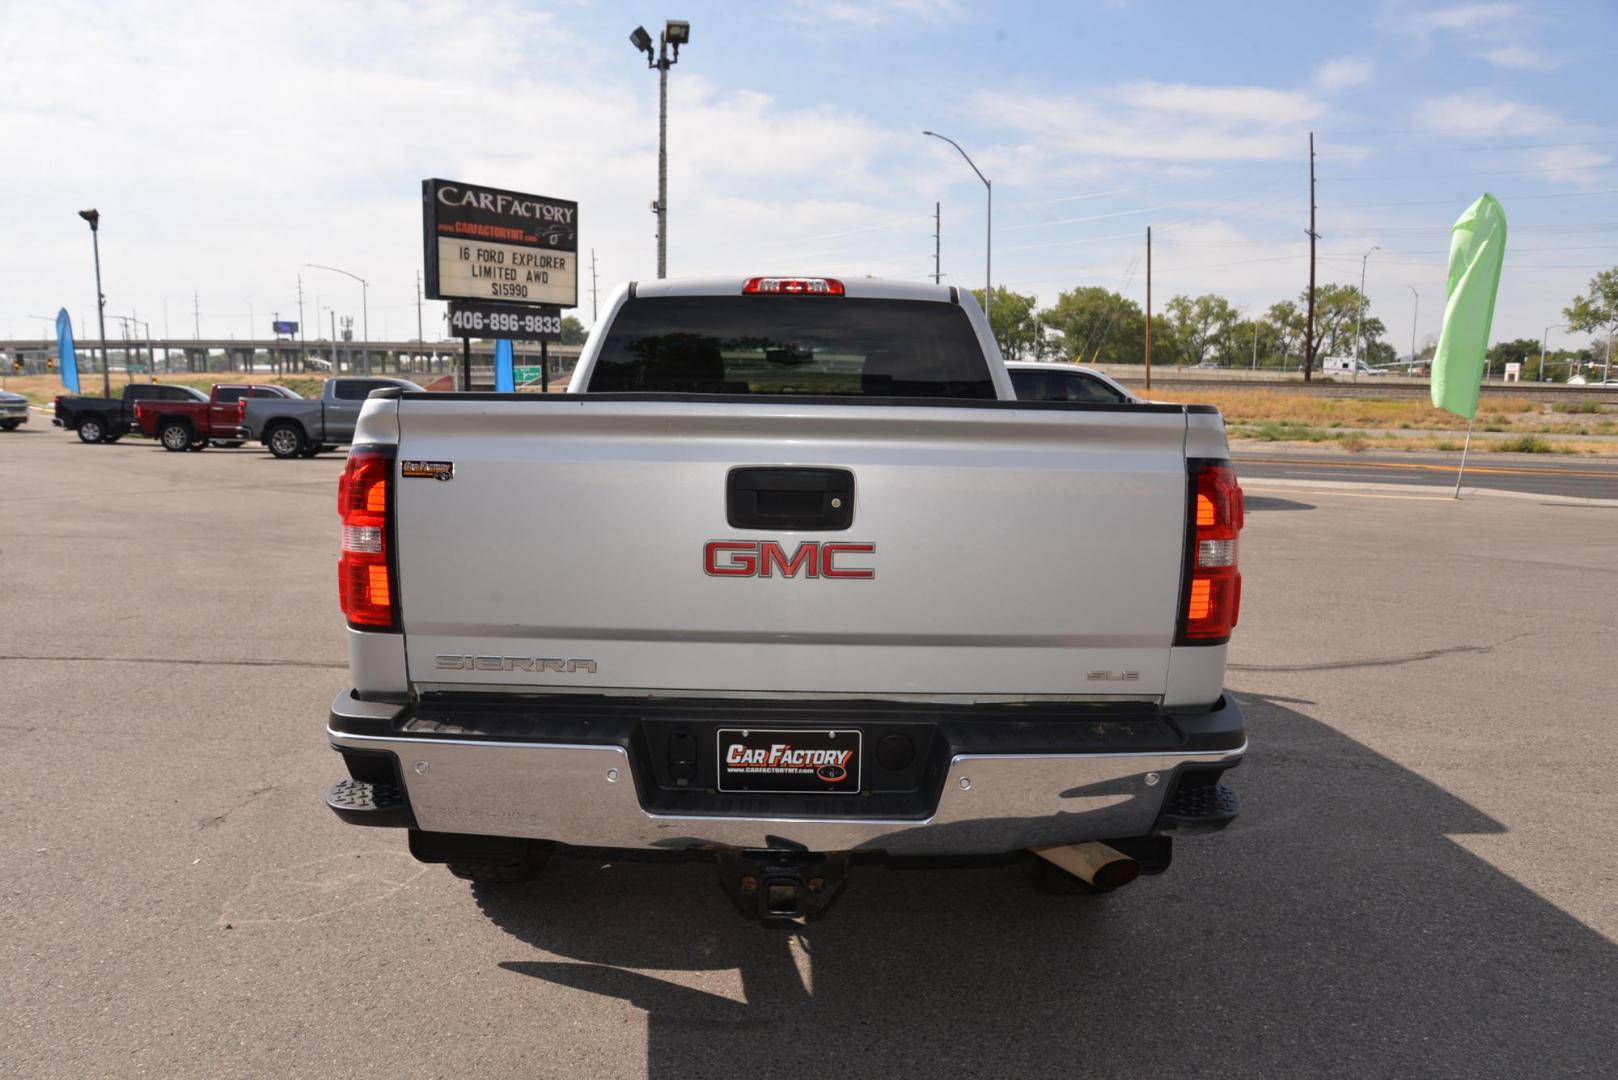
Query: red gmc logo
x=764 y=558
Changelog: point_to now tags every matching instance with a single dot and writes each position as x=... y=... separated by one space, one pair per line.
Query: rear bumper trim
x=584 y=795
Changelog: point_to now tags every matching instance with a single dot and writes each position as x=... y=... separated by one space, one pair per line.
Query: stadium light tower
x=676 y=32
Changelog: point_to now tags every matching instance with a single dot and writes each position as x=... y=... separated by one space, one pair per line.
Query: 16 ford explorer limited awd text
x=789 y=581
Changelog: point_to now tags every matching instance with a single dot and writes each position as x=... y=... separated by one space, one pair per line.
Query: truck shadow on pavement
x=1335 y=929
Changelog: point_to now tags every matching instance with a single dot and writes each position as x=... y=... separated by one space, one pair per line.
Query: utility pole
x=1148 y=307
x=938 y=229
x=334 y=370
x=1309 y=331
x=196 y=315
x=421 y=336
x=595 y=311
x=1255 y=344
x=302 y=337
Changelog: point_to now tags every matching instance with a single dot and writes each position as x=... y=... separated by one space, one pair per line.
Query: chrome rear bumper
x=585 y=796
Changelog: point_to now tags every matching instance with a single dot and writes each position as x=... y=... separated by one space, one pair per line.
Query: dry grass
x=1511 y=415
x=1356 y=442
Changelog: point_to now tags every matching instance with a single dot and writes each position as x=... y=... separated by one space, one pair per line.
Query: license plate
x=767 y=759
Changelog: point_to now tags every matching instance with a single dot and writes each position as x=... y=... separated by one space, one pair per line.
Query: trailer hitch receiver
x=779 y=888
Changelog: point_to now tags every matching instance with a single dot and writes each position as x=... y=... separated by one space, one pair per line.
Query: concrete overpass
x=277 y=355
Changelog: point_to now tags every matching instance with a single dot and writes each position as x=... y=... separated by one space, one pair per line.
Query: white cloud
x=1230 y=104
x=1344 y=73
x=1150 y=121
x=1519 y=57
x=1483 y=113
x=1572 y=164
x=246 y=145
x=1497 y=33
x=869 y=14
x=1474 y=20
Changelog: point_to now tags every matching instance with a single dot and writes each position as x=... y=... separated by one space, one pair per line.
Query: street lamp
x=1413 y=312
x=1359 y=315
x=988 y=240
x=365 y=311
x=676 y=32
x=1542 y=339
x=93 y=216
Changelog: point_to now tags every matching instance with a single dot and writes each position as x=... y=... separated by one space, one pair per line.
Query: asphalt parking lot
x=1424 y=881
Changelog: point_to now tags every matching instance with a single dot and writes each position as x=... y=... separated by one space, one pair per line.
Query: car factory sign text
x=487 y=244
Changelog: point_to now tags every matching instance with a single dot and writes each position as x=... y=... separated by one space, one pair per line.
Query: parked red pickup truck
x=192 y=425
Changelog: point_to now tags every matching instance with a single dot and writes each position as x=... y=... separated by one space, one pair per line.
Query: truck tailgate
x=1017 y=550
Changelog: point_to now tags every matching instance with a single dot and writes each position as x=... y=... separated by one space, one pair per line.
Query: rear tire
x=493 y=873
x=9 y=425
x=310 y=451
x=285 y=441
x=175 y=436
x=92 y=429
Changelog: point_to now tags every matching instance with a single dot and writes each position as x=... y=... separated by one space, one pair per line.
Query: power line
x=1431 y=149
x=1502 y=198
x=1472 y=172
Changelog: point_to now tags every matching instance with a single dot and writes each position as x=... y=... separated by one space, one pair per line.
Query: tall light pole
x=1415 y=309
x=1543 y=338
x=988 y=236
x=676 y=32
x=365 y=307
x=1359 y=315
x=93 y=216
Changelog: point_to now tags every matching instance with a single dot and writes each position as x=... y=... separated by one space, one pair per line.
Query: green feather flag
x=1477 y=249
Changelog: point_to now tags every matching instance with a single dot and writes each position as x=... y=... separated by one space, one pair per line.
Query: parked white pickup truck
x=788 y=580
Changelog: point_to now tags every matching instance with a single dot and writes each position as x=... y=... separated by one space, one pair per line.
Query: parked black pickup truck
x=106 y=420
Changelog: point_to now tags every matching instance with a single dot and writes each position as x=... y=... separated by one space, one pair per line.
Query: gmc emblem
x=764 y=558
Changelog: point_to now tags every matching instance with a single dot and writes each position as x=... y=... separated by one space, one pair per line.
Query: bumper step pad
x=1200 y=808
x=360 y=803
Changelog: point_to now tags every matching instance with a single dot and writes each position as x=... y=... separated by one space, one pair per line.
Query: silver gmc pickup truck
x=789 y=581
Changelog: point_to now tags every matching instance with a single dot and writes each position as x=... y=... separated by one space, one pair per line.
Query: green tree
x=1597 y=311
x=1337 y=307
x=1197 y=325
x=1098 y=326
x=572 y=331
x=1287 y=324
x=1016 y=326
x=1524 y=351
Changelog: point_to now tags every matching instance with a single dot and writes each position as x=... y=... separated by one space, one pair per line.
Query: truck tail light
x=367 y=578
x=1211 y=593
x=793 y=286
x=241 y=410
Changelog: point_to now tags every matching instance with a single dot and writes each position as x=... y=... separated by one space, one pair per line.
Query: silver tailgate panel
x=1018 y=552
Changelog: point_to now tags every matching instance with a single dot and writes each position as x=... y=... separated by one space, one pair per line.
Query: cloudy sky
x=228 y=144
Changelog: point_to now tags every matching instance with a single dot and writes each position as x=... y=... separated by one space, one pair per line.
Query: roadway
x=1421 y=882
x=1571 y=477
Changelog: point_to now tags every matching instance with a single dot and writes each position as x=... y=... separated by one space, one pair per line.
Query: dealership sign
x=507 y=322
x=487 y=244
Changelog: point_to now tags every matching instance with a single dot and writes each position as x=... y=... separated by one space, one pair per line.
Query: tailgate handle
x=783 y=497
